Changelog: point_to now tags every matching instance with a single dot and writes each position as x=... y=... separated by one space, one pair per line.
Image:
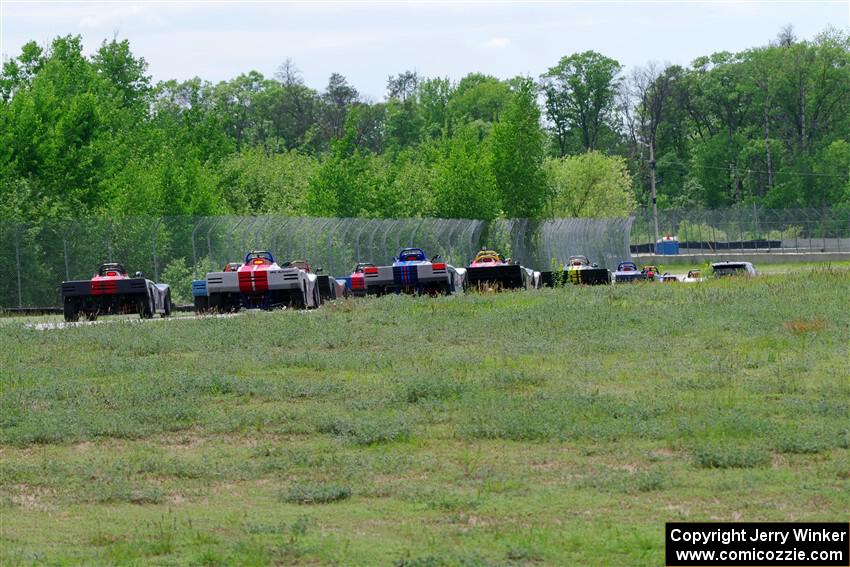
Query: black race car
x=112 y=291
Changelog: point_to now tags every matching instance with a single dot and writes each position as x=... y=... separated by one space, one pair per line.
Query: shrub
x=315 y=494
x=730 y=457
x=803 y=442
x=366 y=430
x=420 y=388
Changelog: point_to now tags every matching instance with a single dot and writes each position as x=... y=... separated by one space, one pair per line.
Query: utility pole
x=654 y=200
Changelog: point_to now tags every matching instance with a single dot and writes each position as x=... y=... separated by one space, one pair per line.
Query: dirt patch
x=176 y=498
x=82 y=447
x=30 y=497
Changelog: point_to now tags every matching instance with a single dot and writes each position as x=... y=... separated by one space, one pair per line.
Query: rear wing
x=83 y=288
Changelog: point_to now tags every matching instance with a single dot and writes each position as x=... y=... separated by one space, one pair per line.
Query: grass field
x=556 y=427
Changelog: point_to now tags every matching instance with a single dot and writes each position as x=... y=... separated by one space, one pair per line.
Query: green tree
x=256 y=182
x=518 y=152
x=404 y=124
x=580 y=95
x=292 y=109
x=464 y=182
x=124 y=75
x=589 y=185
x=478 y=97
x=433 y=97
x=336 y=101
x=344 y=183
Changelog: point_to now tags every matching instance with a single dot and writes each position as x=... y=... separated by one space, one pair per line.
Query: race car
x=260 y=283
x=650 y=273
x=723 y=269
x=410 y=272
x=693 y=276
x=579 y=270
x=628 y=272
x=200 y=294
x=667 y=277
x=111 y=291
x=490 y=269
x=355 y=284
x=329 y=287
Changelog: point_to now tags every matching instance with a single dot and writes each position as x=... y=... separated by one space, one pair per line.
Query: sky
x=368 y=41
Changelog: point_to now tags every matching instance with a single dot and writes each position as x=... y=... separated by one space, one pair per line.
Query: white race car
x=260 y=283
x=693 y=276
x=411 y=271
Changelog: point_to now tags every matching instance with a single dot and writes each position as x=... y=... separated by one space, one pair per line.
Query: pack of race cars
x=260 y=282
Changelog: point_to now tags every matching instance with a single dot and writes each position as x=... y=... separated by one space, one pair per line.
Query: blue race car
x=412 y=272
x=628 y=272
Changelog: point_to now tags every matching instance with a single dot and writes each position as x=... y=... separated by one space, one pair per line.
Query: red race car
x=112 y=291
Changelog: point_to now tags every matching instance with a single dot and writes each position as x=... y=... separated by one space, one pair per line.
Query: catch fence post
x=195 y=249
x=741 y=233
x=407 y=225
x=65 y=250
x=290 y=248
x=357 y=242
x=314 y=253
x=332 y=230
x=230 y=238
x=374 y=229
x=246 y=234
x=18 y=230
x=109 y=240
x=701 y=239
x=387 y=235
x=466 y=241
x=262 y=221
x=416 y=232
x=153 y=243
x=756 y=220
x=209 y=238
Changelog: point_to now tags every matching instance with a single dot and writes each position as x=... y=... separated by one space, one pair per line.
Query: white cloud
x=496 y=43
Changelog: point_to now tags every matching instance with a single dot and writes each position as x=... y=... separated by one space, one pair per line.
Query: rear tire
x=202 y=304
x=299 y=299
x=145 y=311
x=70 y=311
x=168 y=306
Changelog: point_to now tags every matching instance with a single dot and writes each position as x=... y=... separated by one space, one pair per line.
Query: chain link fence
x=750 y=228
x=35 y=258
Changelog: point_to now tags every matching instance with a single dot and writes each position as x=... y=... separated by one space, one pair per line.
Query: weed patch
x=371 y=430
x=730 y=457
x=315 y=494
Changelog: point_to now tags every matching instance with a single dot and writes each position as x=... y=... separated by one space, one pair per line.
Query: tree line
x=93 y=135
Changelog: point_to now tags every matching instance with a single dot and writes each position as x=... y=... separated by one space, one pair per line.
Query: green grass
x=560 y=426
